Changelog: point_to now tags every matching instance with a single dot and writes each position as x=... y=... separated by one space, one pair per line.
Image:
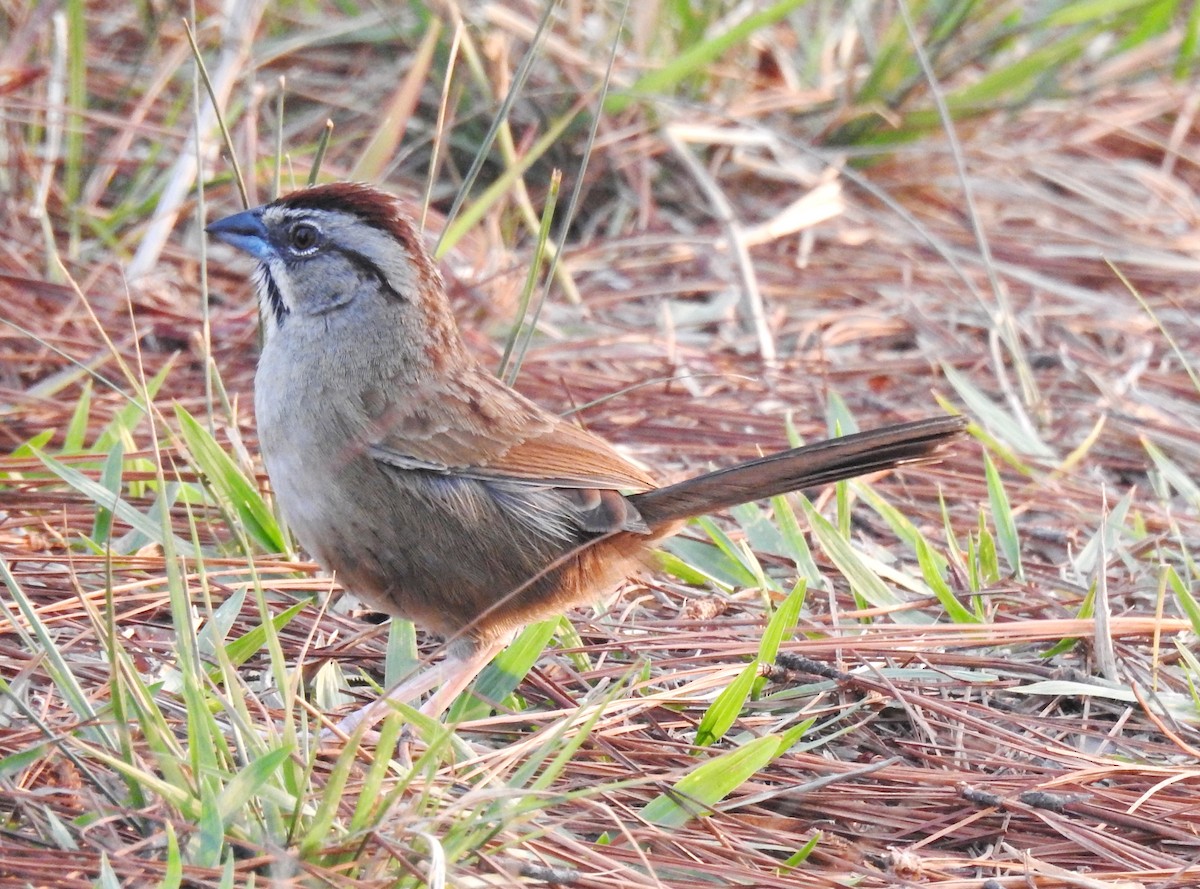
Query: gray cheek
x=325 y=284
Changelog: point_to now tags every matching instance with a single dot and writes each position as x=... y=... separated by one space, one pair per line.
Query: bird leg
x=450 y=677
x=457 y=673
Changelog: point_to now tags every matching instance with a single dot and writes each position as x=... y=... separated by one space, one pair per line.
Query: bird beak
x=245 y=231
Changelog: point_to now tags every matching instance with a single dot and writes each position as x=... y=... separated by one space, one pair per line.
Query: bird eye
x=303 y=237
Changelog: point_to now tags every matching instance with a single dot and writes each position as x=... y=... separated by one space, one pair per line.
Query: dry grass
x=943 y=754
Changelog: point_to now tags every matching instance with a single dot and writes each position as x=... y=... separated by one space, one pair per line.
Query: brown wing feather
x=570 y=457
x=506 y=437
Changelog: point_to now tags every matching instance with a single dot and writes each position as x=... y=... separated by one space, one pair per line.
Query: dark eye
x=303 y=237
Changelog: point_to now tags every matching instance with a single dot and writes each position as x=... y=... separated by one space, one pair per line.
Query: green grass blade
x=1002 y=518
x=864 y=583
x=249 y=643
x=698 y=57
x=498 y=127
x=77 y=427
x=1104 y=540
x=707 y=561
x=763 y=535
x=796 y=544
x=37 y=638
x=110 y=480
x=988 y=561
x=695 y=793
x=1082 y=12
x=472 y=214
x=373 y=802
x=740 y=560
x=238 y=494
x=107 y=878
x=402 y=656
x=1185 y=60
x=77 y=104
x=124 y=421
x=675 y=565
x=839 y=420
x=501 y=677
x=724 y=711
x=29 y=449
x=209 y=839
x=782 y=624
x=158 y=513
x=994 y=418
x=1185 y=597
x=564 y=750
x=1181 y=480
x=800 y=855
x=247 y=785
x=933 y=568
x=173 y=872
x=523 y=327
x=1023 y=79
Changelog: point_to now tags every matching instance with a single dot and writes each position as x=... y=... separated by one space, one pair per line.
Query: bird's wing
x=487 y=431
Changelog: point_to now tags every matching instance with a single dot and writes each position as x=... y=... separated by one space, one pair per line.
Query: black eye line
x=368 y=267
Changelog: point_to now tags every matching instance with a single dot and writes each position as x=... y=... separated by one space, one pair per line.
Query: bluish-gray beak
x=245 y=231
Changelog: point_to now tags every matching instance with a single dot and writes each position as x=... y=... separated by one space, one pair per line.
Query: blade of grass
x=1002 y=518
x=110 y=480
x=724 y=711
x=797 y=544
x=499 y=125
x=239 y=497
x=501 y=677
x=697 y=792
x=521 y=332
x=539 y=778
x=692 y=571
x=470 y=216
x=698 y=57
x=993 y=418
x=36 y=637
x=711 y=562
x=76 y=128
x=1185 y=597
x=319 y=156
x=751 y=568
x=864 y=583
x=77 y=427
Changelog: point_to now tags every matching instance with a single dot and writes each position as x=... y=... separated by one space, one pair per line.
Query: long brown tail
x=811 y=465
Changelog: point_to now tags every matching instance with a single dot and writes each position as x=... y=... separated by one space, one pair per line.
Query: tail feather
x=804 y=467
